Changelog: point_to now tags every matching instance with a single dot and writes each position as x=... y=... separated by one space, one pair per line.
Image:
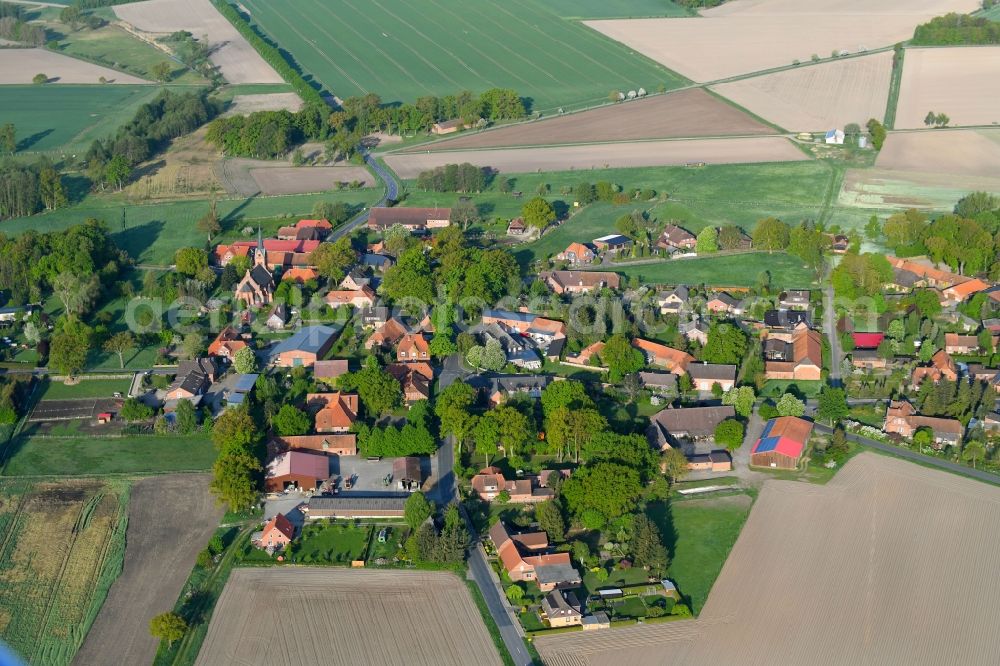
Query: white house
x=835 y=137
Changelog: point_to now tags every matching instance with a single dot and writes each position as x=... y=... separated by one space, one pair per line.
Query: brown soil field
x=962 y=82
x=607 y=155
x=21 y=65
x=687 y=113
x=185 y=169
x=237 y=60
x=171 y=518
x=847 y=573
x=293 y=616
x=955 y=152
x=305 y=180
x=245 y=104
x=818 y=98
x=748 y=36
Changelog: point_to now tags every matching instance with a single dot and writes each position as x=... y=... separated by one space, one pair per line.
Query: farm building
x=406 y=472
x=413 y=219
x=579 y=282
x=347 y=506
x=344 y=444
x=671 y=359
x=706 y=375
x=867 y=340
x=716 y=461
x=304 y=348
x=835 y=137
x=327 y=370
x=803 y=356
x=668 y=426
x=781 y=443
x=448 y=126
x=613 y=243
x=296 y=469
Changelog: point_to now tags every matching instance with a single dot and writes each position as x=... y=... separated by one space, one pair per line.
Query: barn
x=781 y=443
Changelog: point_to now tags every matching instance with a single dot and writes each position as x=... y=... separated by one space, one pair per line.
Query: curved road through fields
x=391 y=193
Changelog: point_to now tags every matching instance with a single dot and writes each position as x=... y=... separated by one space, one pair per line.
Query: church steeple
x=260 y=255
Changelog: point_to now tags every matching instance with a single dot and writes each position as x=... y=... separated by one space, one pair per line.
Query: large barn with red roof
x=781 y=443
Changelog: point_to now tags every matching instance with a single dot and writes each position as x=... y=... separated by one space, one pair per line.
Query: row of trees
x=368 y=113
x=955 y=28
x=463 y=177
x=27 y=189
x=268 y=134
x=14 y=26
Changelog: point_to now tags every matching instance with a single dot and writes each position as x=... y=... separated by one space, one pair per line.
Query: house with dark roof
x=276 y=534
x=524 y=563
x=675 y=238
x=786 y=319
x=413 y=219
x=193 y=379
x=498 y=388
x=706 y=375
x=579 y=282
x=672 y=302
x=781 y=443
x=560 y=608
x=724 y=303
x=672 y=427
x=613 y=243
x=353 y=506
x=794 y=299
x=660 y=383
x=306 y=346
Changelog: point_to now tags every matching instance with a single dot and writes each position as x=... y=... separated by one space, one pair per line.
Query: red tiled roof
x=867 y=340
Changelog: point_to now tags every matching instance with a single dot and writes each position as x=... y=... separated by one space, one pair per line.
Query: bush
x=205 y=559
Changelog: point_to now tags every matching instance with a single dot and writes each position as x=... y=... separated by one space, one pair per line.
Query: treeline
x=699 y=4
x=463 y=177
x=265 y=134
x=270 y=53
x=25 y=190
x=170 y=115
x=14 y=27
x=414 y=438
x=957 y=29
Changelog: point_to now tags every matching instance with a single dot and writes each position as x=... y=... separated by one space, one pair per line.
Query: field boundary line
x=895 y=86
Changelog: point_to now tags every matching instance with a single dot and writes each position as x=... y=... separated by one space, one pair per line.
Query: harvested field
x=21 y=65
x=171 y=518
x=62 y=548
x=245 y=104
x=687 y=113
x=867 y=549
x=962 y=82
x=820 y=97
x=607 y=156
x=898 y=189
x=237 y=60
x=962 y=152
x=187 y=168
x=303 y=180
x=342 y=616
x=742 y=37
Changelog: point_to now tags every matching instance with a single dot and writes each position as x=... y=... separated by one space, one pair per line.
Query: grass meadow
x=605 y=9
x=730 y=270
x=63 y=545
x=86 y=388
x=402 y=50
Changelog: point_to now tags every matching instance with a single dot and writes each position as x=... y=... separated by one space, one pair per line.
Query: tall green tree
x=621 y=358
x=168 y=627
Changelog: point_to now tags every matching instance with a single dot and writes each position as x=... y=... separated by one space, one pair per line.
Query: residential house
x=794 y=299
x=675 y=238
x=519 y=350
x=362 y=298
x=378 y=262
x=560 y=608
x=306 y=346
x=296 y=469
x=226 y=343
x=517 y=227
x=673 y=302
x=978 y=372
x=373 y=317
x=668 y=427
x=543 y=331
x=277 y=533
x=781 y=443
x=277 y=318
x=223 y=254
x=868 y=359
x=355 y=281
x=660 y=383
x=901 y=418
x=867 y=340
x=498 y=388
x=673 y=360
x=294 y=233
x=239 y=389
x=415 y=379
x=839 y=243
x=613 y=243
x=706 y=375
x=327 y=371
x=300 y=275
x=960 y=344
x=577 y=253
x=349 y=507
x=786 y=319
x=942 y=367
x=523 y=562
x=695 y=330
x=343 y=444
x=964 y=290
x=413 y=347
x=333 y=412
x=723 y=303
x=387 y=335
x=589 y=355
x=193 y=379
x=805 y=354
x=416 y=220
x=256 y=289
x=903 y=280
x=580 y=282
x=490 y=482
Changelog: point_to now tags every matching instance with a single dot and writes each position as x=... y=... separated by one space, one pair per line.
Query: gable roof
x=579 y=249
x=281 y=524
x=298 y=463
x=308 y=339
x=712 y=371
x=695 y=421
x=867 y=340
x=330 y=369
x=589 y=279
x=786 y=435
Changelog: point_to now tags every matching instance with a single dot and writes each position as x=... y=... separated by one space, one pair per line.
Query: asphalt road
x=480 y=570
x=391 y=192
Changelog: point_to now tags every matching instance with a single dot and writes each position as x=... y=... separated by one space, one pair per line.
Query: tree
x=411 y=277
x=161 y=71
x=133 y=410
x=235 y=431
x=708 y=241
x=235 y=479
x=332 y=260
x=514 y=593
x=729 y=433
x=789 y=405
x=514 y=429
x=741 y=398
x=190 y=260
x=117 y=171
x=185 y=417
x=245 y=361
x=771 y=234
x=973 y=452
x=648 y=550
x=550 y=519
x=120 y=344
x=464 y=213
x=538 y=213
x=8 y=138
x=291 y=421
x=417 y=510
x=605 y=487
x=193 y=345
x=621 y=358
x=379 y=391
x=68 y=350
x=727 y=344
x=452 y=409
x=76 y=294
x=168 y=627
x=923 y=436
x=209 y=224
x=39 y=79
x=878 y=133
x=485 y=432
x=675 y=465
x=832 y=404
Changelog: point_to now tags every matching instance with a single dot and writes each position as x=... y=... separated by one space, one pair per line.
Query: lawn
x=775 y=388
x=79 y=456
x=724 y=270
x=86 y=388
x=403 y=50
x=328 y=542
x=63 y=547
x=603 y=9
x=68 y=118
x=699 y=533
x=152 y=233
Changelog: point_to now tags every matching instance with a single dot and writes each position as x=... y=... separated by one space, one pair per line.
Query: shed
x=406 y=472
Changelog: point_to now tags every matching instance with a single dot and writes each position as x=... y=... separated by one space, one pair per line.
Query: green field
x=330 y=542
x=154 y=232
x=403 y=50
x=77 y=456
x=736 y=270
x=87 y=388
x=699 y=535
x=68 y=117
x=600 y=9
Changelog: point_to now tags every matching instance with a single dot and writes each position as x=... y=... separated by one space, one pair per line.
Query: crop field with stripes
x=403 y=50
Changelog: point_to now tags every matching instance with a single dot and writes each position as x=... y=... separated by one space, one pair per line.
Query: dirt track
x=848 y=573
x=688 y=113
x=301 y=615
x=604 y=156
x=171 y=518
x=21 y=65
x=962 y=82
